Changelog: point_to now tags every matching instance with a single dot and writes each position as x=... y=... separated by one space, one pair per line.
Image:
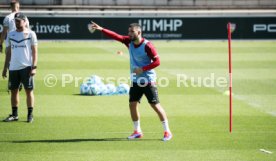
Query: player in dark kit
x=143 y=59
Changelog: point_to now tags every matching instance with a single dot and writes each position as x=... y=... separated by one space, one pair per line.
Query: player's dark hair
x=136 y=25
x=13 y=3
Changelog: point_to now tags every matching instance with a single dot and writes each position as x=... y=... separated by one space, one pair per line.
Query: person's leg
x=29 y=97
x=15 y=101
x=135 y=94
x=30 y=101
x=162 y=116
x=135 y=115
x=28 y=83
x=151 y=93
x=13 y=84
x=14 y=81
x=164 y=120
x=160 y=111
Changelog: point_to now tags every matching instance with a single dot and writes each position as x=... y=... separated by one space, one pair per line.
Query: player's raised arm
x=111 y=34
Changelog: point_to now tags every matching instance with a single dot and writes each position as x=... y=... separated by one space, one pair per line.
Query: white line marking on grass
x=266 y=151
x=255 y=105
x=252 y=103
x=248 y=100
x=273 y=113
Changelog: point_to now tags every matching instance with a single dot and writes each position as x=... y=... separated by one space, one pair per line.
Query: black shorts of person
x=138 y=90
x=16 y=77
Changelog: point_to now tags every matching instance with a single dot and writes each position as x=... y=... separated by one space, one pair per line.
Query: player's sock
x=137 y=126
x=166 y=127
x=30 y=111
x=14 y=111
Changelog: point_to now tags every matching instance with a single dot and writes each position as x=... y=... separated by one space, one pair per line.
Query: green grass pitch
x=70 y=127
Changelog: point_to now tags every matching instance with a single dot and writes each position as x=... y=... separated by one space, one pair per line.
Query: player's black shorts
x=150 y=90
x=21 y=76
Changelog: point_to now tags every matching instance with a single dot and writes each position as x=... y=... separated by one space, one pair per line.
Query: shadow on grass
x=80 y=140
x=86 y=95
x=76 y=94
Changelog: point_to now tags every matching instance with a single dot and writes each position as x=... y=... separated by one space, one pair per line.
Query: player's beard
x=19 y=27
x=133 y=38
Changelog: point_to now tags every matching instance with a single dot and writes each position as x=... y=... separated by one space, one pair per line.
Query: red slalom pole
x=230 y=75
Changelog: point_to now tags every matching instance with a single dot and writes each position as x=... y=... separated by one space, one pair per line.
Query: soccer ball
x=123 y=89
x=94 y=90
x=94 y=79
x=84 y=89
x=102 y=89
x=111 y=89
